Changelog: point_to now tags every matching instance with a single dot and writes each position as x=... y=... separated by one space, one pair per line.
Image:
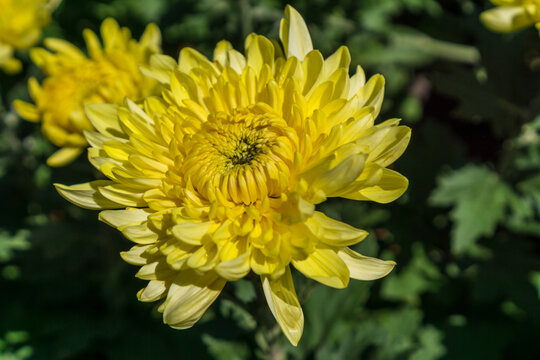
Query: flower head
x=108 y=75
x=220 y=175
x=21 y=22
x=511 y=15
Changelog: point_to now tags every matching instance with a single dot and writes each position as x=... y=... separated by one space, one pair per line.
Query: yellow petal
x=190 y=58
x=372 y=93
x=27 y=111
x=151 y=38
x=259 y=51
x=506 y=19
x=325 y=266
x=332 y=179
x=64 y=156
x=236 y=268
x=87 y=196
x=192 y=232
x=11 y=66
x=125 y=194
x=226 y=56
x=189 y=297
x=42 y=57
x=333 y=232
x=387 y=143
x=118 y=218
x=139 y=234
x=155 y=290
x=340 y=59
x=283 y=302
x=294 y=34
x=110 y=33
x=390 y=187
x=104 y=117
x=136 y=255
x=365 y=268
x=312 y=66
x=358 y=80
x=65 y=48
x=92 y=44
x=160 y=68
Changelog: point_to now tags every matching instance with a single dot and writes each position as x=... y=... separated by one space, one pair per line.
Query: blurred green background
x=465 y=235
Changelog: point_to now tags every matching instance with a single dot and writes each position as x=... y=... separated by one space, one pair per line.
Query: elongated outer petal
x=64 y=156
x=225 y=55
x=372 y=93
x=87 y=196
x=160 y=68
x=390 y=187
x=104 y=117
x=363 y=267
x=325 y=266
x=236 y=268
x=27 y=111
x=124 y=194
x=154 y=291
x=294 y=34
x=333 y=232
x=118 y=218
x=333 y=180
x=189 y=297
x=92 y=44
x=191 y=232
x=283 y=303
x=151 y=38
x=136 y=255
x=505 y=19
x=64 y=47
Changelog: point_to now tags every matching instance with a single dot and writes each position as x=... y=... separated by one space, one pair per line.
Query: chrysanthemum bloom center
x=240 y=154
x=95 y=82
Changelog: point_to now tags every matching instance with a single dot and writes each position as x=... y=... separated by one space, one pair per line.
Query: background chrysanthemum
x=220 y=176
x=511 y=15
x=21 y=22
x=108 y=74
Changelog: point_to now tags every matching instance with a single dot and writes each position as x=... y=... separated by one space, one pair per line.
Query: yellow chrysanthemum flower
x=21 y=22
x=511 y=15
x=220 y=176
x=108 y=75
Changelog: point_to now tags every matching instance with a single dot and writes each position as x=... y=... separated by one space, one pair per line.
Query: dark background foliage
x=465 y=235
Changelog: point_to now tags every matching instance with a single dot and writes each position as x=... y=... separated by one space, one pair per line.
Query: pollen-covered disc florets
x=108 y=75
x=240 y=155
x=219 y=176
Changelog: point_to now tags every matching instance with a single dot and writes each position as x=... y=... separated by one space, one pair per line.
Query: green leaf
x=535 y=280
x=244 y=291
x=430 y=339
x=224 y=349
x=243 y=318
x=419 y=276
x=479 y=199
x=9 y=244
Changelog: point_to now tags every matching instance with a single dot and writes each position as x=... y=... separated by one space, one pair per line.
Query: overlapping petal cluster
x=512 y=15
x=21 y=22
x=220 y=175
x=108 y=74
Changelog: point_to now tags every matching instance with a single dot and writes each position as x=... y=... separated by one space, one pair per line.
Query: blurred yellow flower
x=21 y=22
x=110 y=73
x=511 y=15
x=221 y=174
